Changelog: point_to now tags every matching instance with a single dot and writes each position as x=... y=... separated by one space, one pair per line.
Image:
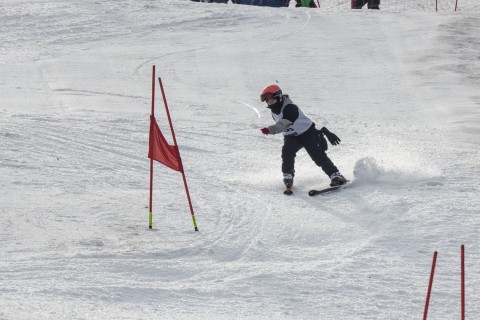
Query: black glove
x=332 y=137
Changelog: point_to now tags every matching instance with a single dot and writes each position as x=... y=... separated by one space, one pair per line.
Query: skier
x=299 y=132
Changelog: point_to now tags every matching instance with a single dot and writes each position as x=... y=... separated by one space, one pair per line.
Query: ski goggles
x=271 y=102
x=266 y=96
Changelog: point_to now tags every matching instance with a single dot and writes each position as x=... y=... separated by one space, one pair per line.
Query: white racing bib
x=302 y=124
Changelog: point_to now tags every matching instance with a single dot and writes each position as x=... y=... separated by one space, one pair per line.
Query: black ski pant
x=314 y=143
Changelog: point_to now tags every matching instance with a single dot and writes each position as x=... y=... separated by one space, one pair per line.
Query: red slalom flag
x=160 y=150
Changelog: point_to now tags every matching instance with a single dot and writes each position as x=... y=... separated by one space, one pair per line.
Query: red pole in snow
x=175 y=143
x=150 y=215
x=462 y=250
x=427 y=302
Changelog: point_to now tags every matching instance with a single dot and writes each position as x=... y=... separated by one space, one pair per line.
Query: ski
x=312 y=193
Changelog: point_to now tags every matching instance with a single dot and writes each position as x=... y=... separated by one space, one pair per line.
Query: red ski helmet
x=271 y=92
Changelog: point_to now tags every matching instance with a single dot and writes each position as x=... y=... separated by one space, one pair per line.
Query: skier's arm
x=280 y=126
x=290 y=114
x=332 y=137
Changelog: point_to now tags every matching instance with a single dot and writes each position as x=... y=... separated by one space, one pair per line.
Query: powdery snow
x=400 y=87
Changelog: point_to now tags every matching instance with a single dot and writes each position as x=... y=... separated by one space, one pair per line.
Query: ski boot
x=288 y=181
x=337 y=180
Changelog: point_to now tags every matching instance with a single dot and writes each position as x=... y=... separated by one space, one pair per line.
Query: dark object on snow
x=372 y=4
x=264 y=3
x=212 y=1
x=314 y=192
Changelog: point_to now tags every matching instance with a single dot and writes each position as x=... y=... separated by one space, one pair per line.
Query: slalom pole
x=456 y=4
x=462 y=253
x=430 y=284
x=150 y=214
x=176 y=146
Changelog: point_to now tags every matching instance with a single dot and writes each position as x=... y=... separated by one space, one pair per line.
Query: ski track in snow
x=73 y=137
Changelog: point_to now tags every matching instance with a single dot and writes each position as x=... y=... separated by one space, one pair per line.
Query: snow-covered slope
x=399 y=87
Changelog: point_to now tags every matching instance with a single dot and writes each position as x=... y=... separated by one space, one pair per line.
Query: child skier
x=299 y=132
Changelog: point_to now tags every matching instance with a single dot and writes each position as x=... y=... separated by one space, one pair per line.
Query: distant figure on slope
x=299 y=132
x=212 y=1
x=264 y=3
x=306 y=3
x=372 y=4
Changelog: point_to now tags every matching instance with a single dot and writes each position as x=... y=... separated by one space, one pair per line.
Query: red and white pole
x=150 y=215
x=430 y=284
x=176 y=146
x=462 y=250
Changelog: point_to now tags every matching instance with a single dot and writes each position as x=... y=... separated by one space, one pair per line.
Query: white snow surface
x=400 y=87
